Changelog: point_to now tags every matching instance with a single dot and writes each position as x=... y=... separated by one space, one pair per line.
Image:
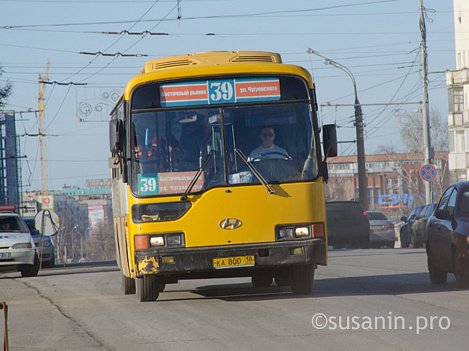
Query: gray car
x=381 y=230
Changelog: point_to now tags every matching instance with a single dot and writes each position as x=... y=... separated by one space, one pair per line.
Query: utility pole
x=427 y=148
x=41 y=122
x=179 y=9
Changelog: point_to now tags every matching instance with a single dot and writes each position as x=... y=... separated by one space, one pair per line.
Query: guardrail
x=4 y=307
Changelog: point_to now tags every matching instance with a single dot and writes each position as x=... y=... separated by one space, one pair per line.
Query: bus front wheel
x=148 y=288
x=302 y=279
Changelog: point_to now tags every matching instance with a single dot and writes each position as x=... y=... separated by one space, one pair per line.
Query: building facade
x=458 y=96
x=394 y=183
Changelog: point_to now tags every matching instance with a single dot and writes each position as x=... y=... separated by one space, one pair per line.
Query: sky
x=378 y=40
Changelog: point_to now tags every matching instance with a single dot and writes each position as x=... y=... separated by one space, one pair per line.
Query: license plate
x=5 y=255
x=233 y=262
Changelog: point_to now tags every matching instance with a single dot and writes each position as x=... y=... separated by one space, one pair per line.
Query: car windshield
x=32 y=226
x=170 y=146
x=12 y=224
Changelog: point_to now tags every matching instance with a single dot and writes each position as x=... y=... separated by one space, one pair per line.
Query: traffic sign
x=47 y=222
x=46 y=201
x=428 y=172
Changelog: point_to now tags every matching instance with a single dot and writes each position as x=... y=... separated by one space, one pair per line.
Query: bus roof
x=226 y=63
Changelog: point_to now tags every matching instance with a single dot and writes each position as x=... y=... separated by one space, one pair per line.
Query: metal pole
x=81 y=247
x=427 y=149
x=359 y=128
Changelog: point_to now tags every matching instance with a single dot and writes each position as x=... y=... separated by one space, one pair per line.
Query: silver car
x=17 y=248
x=381 y=230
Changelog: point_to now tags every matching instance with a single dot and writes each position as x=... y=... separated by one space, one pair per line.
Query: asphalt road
x=378 y=300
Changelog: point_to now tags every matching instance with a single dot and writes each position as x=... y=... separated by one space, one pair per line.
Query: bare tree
x=412 y=131
x=5 y=91
x=386 y=149
x=101 y=245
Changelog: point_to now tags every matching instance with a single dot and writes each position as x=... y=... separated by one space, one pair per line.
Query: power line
x=202 y=17
x=54 y=82
x=397 y=91
x=116 y=54
x=114 y=42
x=130 y=47
x=60 y=107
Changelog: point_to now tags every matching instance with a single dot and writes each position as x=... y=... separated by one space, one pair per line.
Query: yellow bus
x=218 y=171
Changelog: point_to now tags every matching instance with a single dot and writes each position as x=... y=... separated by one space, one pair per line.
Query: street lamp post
x=362 y=179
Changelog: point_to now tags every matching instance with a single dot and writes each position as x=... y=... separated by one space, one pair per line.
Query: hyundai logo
x=230 y=223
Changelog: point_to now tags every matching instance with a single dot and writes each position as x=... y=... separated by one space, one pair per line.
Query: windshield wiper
x=197 y=175
x=255 y=171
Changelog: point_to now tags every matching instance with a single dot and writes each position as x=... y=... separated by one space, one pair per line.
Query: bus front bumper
x=204 y=262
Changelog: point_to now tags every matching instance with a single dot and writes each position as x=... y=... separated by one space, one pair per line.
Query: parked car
x=404 y=233
x=347 y=224
x=418 y=229
x=381 y=230
x=17 y=248
x=44 y=244
x=448 y=236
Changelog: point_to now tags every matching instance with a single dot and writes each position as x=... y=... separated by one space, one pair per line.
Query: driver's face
x=267 y=137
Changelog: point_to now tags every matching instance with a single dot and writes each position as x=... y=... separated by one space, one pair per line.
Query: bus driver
x=267 y=149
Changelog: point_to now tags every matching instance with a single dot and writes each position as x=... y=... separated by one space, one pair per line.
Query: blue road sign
x=428 y=172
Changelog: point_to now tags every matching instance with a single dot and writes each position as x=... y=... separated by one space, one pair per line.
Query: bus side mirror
x=116 y=136
x=329 y=138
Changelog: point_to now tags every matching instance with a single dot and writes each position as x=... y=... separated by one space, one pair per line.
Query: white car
x=17 y=249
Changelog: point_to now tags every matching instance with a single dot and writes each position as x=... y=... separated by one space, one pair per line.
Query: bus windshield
x=170 y=146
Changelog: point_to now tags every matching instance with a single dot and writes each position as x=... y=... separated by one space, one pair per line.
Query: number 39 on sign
x=148 y=184
x=221 y=91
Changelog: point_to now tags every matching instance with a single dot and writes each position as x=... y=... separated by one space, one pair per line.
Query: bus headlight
x=285 y=233
x=174 y=239
x=157 y=240
x=293 y=232
x=143 y=242
x=302 y=232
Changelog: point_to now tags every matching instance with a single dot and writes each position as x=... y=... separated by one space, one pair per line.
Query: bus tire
x=261 y=280
x=161 y=287
x=128 y=285
x=147 y=288
x=302 y=279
